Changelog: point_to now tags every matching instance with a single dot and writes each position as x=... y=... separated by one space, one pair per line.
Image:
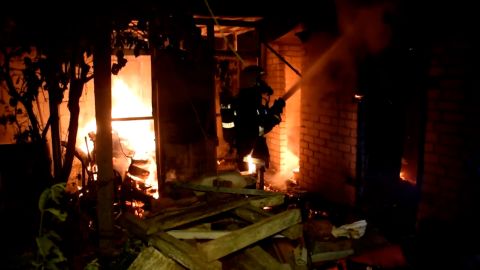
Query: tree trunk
x=53 y=93
x=103 y=115
x=76 y=88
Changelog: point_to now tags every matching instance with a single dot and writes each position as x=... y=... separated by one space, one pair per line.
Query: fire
x=288 y=173
x=406 y=172
x=133 y=136
x=405 y=176
x=252 y=167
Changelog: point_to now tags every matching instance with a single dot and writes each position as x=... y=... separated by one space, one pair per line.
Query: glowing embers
x=407 y=172
x=139 y=171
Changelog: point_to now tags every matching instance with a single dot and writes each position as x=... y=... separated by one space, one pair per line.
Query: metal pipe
x=283 y=59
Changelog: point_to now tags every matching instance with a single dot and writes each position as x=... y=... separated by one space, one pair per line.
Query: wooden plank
x=331 y=255
x=178 y=250
x=215 y=249
x=268 y=201
x=284 y=251
x=152 y=259
x=264 y=259
x=158 y=223
x=300 y=256
x=334 y=244
x=182 y=252
x=243 y=191
x=207 y=235
x=294 y=232
x=230 y=22
x=168 y=206
x=168 y=212
x=186 y=234
x=253 y=215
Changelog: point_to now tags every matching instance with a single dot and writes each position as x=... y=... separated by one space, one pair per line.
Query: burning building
x=381 y=114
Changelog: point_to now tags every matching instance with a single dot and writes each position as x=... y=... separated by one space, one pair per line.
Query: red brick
x=336 y=154
x=435 y=170
x=453 y=117
x=433 y=115
x=448 y=106
x=324 y=135
x=445 y=150
x=350 y=141
x=314 y=147
x=431 y=158
x=307 y=167
x=447 y=128
x=428 y=147
x=431 y=137
x=454 y=95
x=325 y=151
x=308 y=138
x=351 y=124
x=430 y=127
x=325 y=120
x=308 y=152
x=453 y=142
x=433 y=94
x=319 y=141
x=344 y=148
x=436 y=71
x=303 y=144
x=449 y=84
x=332 y=145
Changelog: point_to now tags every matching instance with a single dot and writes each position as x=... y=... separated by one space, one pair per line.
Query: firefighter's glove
x=277 y=107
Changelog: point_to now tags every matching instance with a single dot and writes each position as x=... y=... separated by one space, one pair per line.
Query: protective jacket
x=251 y=121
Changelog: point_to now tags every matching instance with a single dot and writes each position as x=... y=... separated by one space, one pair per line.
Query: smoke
x=366 y=27
x=278 y=180
x=332 y=59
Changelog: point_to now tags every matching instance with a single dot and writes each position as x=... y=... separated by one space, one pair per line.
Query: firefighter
x=254 y=118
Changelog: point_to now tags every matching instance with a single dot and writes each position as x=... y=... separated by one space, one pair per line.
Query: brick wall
x=329 y=123
x=452 y=144
x=276 y=78
x=284 y=137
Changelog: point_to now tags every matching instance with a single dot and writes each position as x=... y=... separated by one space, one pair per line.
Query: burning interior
x=377 y=125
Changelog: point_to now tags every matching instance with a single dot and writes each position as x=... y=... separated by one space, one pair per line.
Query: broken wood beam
x=331 y=255
x=158 y=223
x=182 y=252
x=264 y=259
x=152 y=259
x=268 y=201
x=243 y=191
x=208 y=235
x=236 y=240
x=253 y=215
x=168 y=245
x=187 y=234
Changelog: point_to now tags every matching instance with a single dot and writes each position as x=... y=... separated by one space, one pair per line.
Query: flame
x=135 y=139
x=279 y=180
x=406 y=177
x=252 y=168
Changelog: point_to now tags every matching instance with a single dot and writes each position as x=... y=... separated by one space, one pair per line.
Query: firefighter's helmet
x=250 y=76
